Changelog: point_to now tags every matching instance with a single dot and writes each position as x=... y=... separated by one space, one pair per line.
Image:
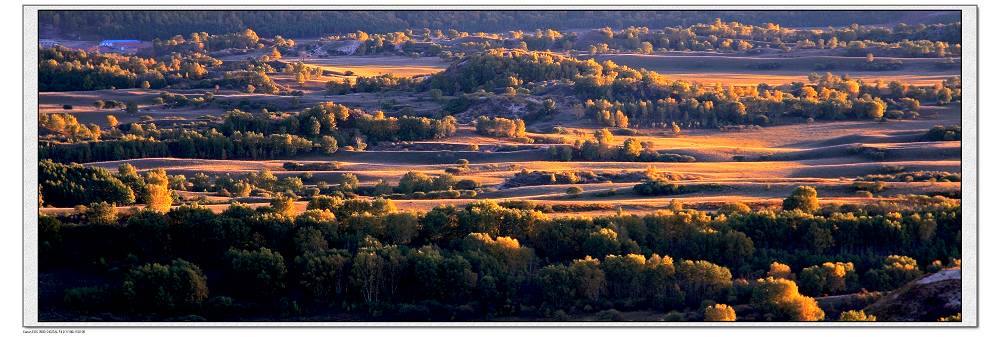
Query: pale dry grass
x=744 y=70
x=374 y=66
x=752 y=79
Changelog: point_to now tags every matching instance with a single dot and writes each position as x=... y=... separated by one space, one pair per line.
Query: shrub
x=953 y=318
x=804 y=198
x=101 y=214
x=856 y=316
x=159 y=288
x=500 y=127
x=415 y=182
x=610 y=315
x=942 y=133
x=719 y=313
x=896 y=271
x=603 y=242
x=88 y=299
x=780 y=270
x=780 y=300
x=608 y=193
x=466 y=184
x=221 y=308
x=320 y=166
x=324 y=202
x=828 y=278
x=664 y=187
x=324 y=273
x=734 y=208
x=673 y=316
x=703 y=280
x=255 y=273
x=869 y=186
x=574 y=191
x=283 y=204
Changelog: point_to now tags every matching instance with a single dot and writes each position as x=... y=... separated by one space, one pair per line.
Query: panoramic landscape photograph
x=499 y=166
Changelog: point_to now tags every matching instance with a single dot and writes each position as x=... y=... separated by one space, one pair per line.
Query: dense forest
x=365 y=258
x=165 y=24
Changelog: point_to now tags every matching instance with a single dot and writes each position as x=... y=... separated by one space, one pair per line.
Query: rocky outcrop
x=926 y=299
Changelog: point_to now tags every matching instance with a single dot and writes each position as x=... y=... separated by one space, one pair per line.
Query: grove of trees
x=620 y=96
x=363 y=257
x=323 y=128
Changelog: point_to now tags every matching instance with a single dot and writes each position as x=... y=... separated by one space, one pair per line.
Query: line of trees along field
x=612 y=94
x=164 y=24
x=324 y=128
x=620 y=96
x=901 y=40
x=365 y=258
x=76 y=185
x=919 y=40
x=178 y=58
x=64 y=69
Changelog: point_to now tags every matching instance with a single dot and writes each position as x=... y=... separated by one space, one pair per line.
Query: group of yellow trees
x=72 y=185
x=500 y=127
x=64 y=69
x=66 y=125
x=777 y=297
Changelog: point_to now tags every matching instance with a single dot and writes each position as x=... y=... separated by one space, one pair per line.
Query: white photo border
x=969 y=150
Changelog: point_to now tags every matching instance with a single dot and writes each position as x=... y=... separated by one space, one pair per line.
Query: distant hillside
x=165 y=24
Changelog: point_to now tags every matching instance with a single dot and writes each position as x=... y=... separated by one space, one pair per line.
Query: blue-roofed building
x=119 y=46
x=47 y=43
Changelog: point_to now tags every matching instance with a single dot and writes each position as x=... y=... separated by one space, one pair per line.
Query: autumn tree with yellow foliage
x=720 y=313
x=158 y=196
x=779 y=300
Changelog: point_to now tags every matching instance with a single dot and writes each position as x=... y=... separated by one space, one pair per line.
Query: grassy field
x=778 y=78
x=745 y=70
x=818 y=154
x=373 y=66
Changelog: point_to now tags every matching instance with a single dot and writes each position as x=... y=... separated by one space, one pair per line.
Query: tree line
x=937 y=40
x=601 y=147
x=72 y=185
x=165 y=24
x=621 y=96
x=64 y=69
x=324 y=128
x=363 y=257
